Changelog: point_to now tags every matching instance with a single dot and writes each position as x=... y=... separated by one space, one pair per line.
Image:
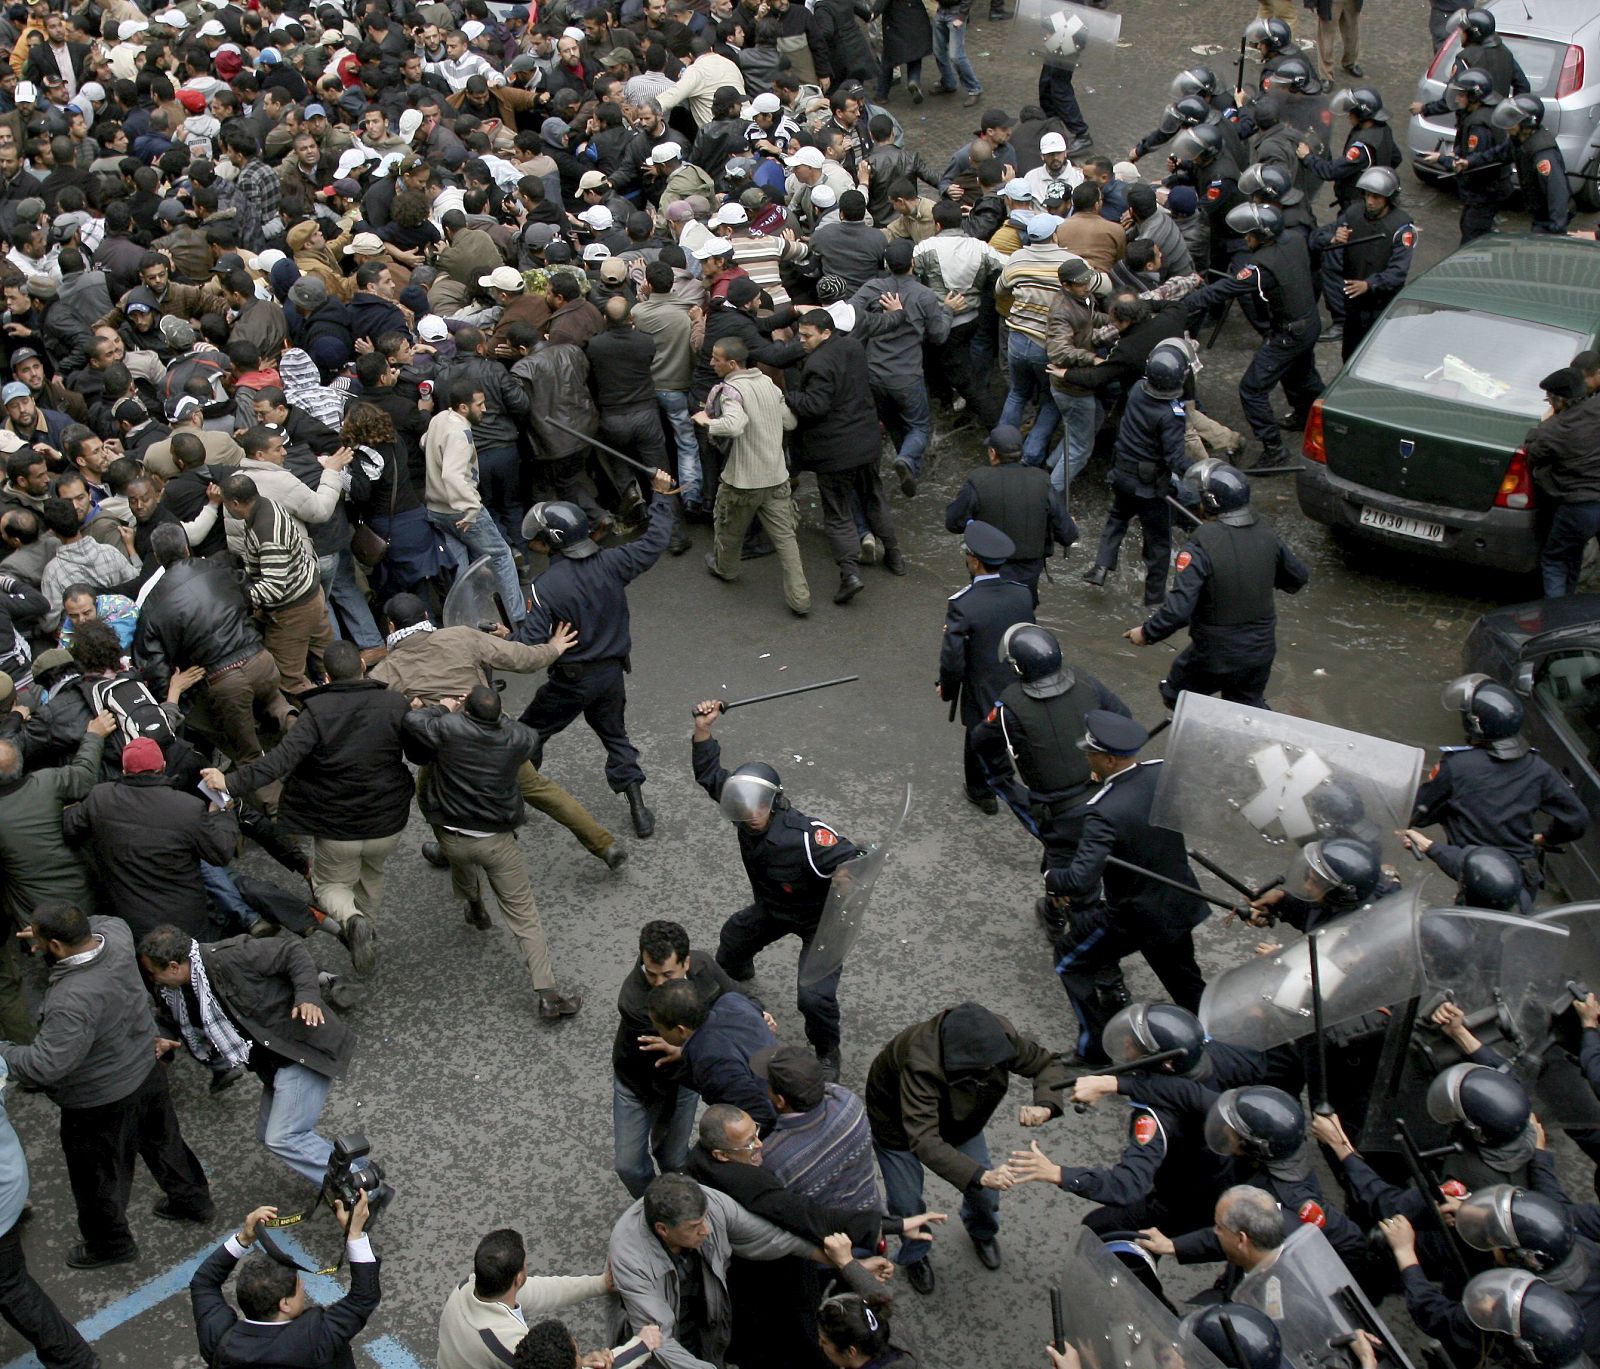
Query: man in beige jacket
x=263 y=463
x=748 y=412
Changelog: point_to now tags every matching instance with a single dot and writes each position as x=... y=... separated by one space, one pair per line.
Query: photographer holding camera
x=275 y=1328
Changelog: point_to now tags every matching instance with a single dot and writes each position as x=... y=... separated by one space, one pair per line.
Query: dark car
x=1417 y=443
x=1549 y=653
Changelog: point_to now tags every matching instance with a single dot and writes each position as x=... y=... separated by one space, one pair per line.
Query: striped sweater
x=281 y=568
x=1031 y=282
x=826 y=1153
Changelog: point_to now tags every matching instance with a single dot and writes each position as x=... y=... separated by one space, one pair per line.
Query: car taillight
x=1444 y=59
x=1516 y=485
x=1571 y=73
x=1314 y=448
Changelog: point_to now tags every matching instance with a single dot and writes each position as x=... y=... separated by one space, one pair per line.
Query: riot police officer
x=972 y=666
x=1193 y=82
x=1278 y=144
x=1483 y=48
x=1020 y=501
x=1035 y=726
x=1195 y=159
x=1541 y=169
x=1368 y=144
x=1326 y=879
x=1248 y=1340
x=1150 y=450
x=1226 y=578
x=1278 y=271
x=588 y=588
x=1482 y=156
x=790 y=859
x=1490 y=1117
x=1273 y=41
x=1485 y=876
x=1305 y=108
x=1132 y=913
x=1269 y=183
x=1488 y=792
x=1142 y=1031
x=1366 y=256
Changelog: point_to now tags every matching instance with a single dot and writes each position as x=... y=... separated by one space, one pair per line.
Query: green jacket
x=37 y=861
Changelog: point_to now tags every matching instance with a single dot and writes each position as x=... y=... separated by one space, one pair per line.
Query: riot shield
x=1311 y=116
x=1064 y=33
x=1114 y=1321
x=1503 y=971
x=1315 y=1301
x=1367 y=960
x=1245 y=785
x=846 y=910
x=474 y=599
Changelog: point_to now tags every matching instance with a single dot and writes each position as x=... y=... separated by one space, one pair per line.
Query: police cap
x=1111 y=734
x=988 y=543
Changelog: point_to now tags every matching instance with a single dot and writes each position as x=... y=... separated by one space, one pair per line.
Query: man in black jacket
x=505 y=414
x=620 y=360
x=474 y=802
x=347 y=785
x=1564 y=454
x=280 y=1329
x=257 y=1004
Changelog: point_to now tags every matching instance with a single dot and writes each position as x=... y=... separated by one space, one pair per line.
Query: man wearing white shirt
x=279 y=1329
x=461 y=63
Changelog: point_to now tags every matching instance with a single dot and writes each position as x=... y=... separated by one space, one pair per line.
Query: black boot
x=679 y=541
x=644 y=821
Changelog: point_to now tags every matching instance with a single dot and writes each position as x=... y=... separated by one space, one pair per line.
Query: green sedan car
x=1417 y=443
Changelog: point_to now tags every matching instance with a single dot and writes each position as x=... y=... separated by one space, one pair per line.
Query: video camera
x=351 y=1172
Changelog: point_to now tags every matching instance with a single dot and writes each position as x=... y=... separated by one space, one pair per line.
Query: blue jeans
x=1030 y=380
x=886 y=77
x=1561 y=557
x=902 y=1186
x=483 y=539
x=675 y=404
x=500 y=483
x=1079 y=419
x=903 y=410
x=346 y=601
x=639 y=1145
x=287 y=1122
x=950 y=52
x=228 y=908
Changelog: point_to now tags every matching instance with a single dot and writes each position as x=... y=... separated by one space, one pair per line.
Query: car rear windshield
x=1539 y=59
x=1463 y=356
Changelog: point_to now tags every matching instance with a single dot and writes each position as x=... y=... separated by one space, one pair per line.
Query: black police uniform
x=1542 y=178
x=791 y=866
x=1279 y=273
x=1134 y=913
x=1486 y=182
x=1484 y=800
x=1039 y=735
x=1379 y=252
x=1021 y=502
x=591 y=593
x=970 y=665
x=1494 y=57
x=1223 y=590
x=1279 y=146
x=1149 y=452
x=1369 y=145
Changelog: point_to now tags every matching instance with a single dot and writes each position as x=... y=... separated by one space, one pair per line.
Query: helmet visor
x=1493 y=1300
x=1484 y=1221
x=1309 y=875
x=1199 y=473
x=1444 y=1093
x=1222 y=1125
x=1126 y=1037
x=1184 y=83
x=747 y=798
x=1457 y=695
x=1507 y=114
x=1457 y=18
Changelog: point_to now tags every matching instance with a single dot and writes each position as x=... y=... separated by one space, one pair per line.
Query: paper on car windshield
x=1469 y=378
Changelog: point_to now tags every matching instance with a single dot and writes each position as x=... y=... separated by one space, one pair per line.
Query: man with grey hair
x=1248 y=1224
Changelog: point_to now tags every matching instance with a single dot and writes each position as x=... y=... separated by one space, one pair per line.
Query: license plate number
x=1405 y=527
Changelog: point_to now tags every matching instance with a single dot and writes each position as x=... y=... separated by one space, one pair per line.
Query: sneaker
x=81 y=1257
x=361 y=940
x=554 y=1004
x=919 y=1274
x=907 y=477
x=916 y=92
x=477 y=915
x=711 y=565
x=973 y=96
x=169 y=1211
x=870 y=550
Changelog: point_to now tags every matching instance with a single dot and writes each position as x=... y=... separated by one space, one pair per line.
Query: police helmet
x=1517 y=111
x=1031 y=651
x=1490 y=878
x=1294 y=73
x=1274 y=33
x=1143 y=1029
x=1475 y=83
x=1362 y=101
x=1339 y=870
x=1190 y=110
x=1378 y=180
x=1335 y=807
x=1260 y=219
x=1475 y=24
x=1194 y=81
x=1231 y=1329
x=1271 y=182
x=1534 y=1231
x=1492 y=1108
x=1201 y=145
x=1544 y=1325
x=562 y=527
x=1258 y=1121
x=1489 y=712
x=1223 y=490
x=1164 y=374
x=751 y=792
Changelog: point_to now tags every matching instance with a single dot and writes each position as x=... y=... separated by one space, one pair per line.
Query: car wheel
x=1588 y=192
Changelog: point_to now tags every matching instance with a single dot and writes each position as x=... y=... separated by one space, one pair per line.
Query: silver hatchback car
x=1557 y=44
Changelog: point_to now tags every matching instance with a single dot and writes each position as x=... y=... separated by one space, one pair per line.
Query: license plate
x=1405 y=527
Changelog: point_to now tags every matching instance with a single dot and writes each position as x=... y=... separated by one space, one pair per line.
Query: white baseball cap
x=806 y=156
x=410 y=122
x=713 y=247
x=432 y=328
x=264 y=263
x=598 y=217
x=329 y=36
x=26 y=93
x=503 y=278
x=731 y=214
x=173 y=19
x=662 y=153
x=765 y=103
x=473 y=30
x=212 y=28
x=843 y=314
x=128 y=27
x=596 y=251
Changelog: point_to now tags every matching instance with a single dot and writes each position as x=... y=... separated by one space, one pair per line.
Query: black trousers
x=952 y=370
x=1059 y=99
x=1477 y=218
x=750 y=931
x=566 y=478
x=636 y=433
x=30 y=1313
x=838 y=513
x=1242 y=685
x=1155 y=523
x=1173 y=962
x=100 y=1144
x=596 y=690
x=1359 y=316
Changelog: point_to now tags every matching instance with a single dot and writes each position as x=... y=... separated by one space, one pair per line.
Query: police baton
x=1177 y=884
x=1319 y=1099
x=1232 y=881
x=609 y=451
x=723 y=705
x=1188 y=513
x=1428 y=1193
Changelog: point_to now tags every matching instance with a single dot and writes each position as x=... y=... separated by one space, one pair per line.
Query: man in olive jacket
x=254 y=1002
x=930 y=1093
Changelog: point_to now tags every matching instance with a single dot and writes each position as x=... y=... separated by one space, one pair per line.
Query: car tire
x=1588 y=192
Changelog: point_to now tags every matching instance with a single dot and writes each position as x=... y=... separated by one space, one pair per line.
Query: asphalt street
x=484 y=1118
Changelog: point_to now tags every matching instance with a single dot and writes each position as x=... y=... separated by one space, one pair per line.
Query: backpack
x=130 y=702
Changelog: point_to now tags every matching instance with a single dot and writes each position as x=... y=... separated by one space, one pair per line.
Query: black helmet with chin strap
x=1035 y=654
x=1224 y=492
x=562 y=527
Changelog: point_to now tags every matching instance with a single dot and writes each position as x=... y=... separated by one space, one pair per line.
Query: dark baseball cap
x=1567 y=383
x=794 y=1074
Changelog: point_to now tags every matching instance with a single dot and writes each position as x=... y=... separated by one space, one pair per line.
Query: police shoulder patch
x=1472 y=141
x=1145 y=1129
x=1353 y=153
x=994 y=714
x=1408 y=237
x=824 y=836
x=1543 y=166
x=1243 y=273
x=1184 y=560
x=1311 y=1213
x=1213 y=192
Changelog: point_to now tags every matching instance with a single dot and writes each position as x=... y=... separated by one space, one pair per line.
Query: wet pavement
x=484 y=1118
